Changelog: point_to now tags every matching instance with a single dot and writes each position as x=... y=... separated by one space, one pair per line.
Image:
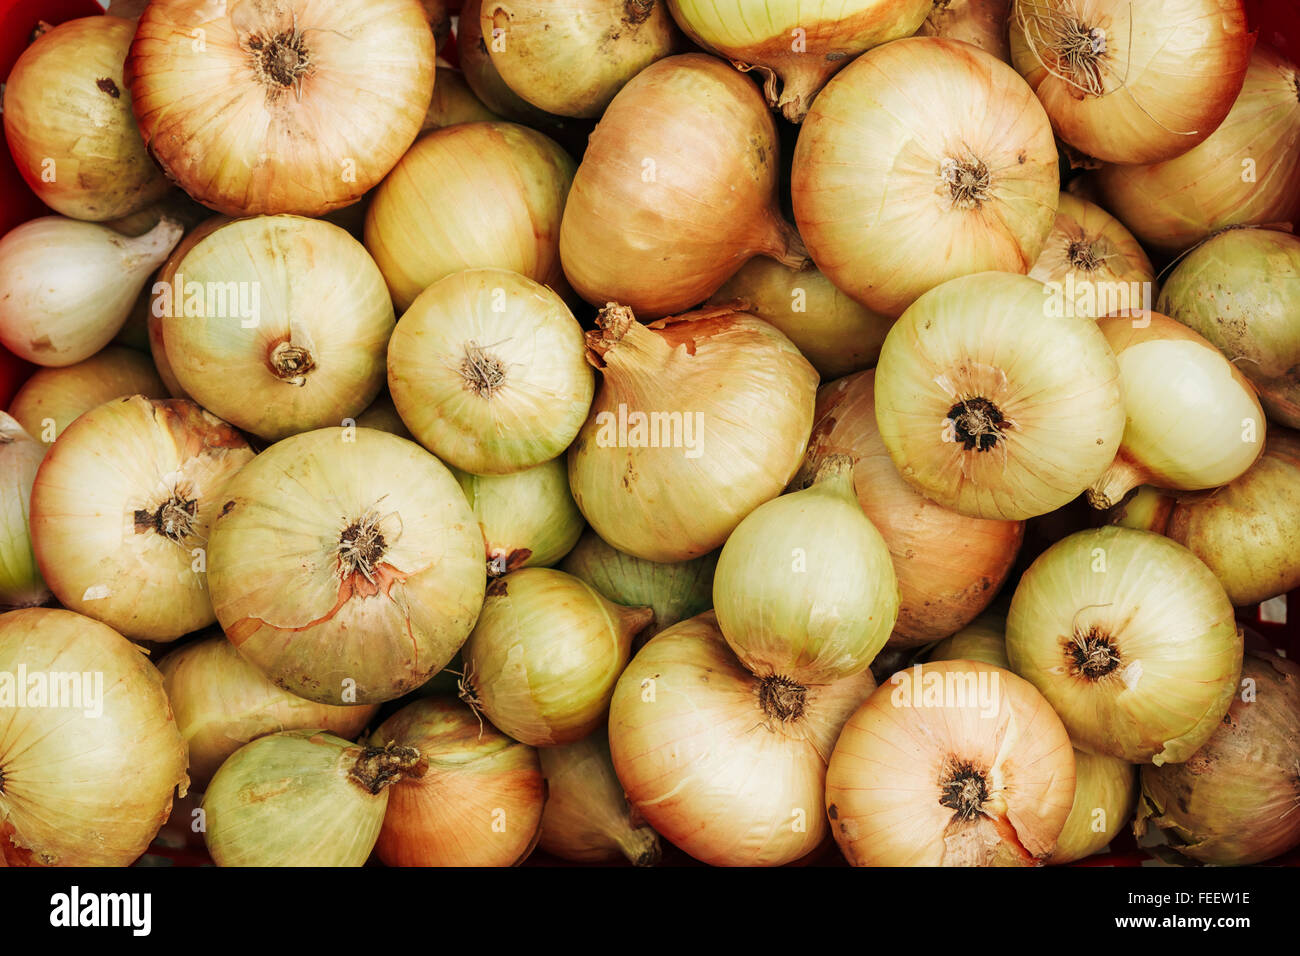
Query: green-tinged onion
x=21 y=584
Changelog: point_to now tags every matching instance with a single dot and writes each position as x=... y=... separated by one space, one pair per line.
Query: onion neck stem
x=640 y=845
x=783 y=243
x=379 y=767
x=1119 y=479
x=623 y=342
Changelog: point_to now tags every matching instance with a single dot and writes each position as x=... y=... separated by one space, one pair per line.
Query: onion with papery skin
x=487 y=370
x=67 y=117
x=544 y=656
x=1194 y=420
x=165 y=283
x=282 y=106
x=54 y=397
x=949 y=565
x=431 y=217
x=346 y=564
x=725 y=765
x=699 y=420
x=898 y=187
x=454 y=102
x=480 y=801
x=89 y=765
x=982 y=23
x=1132 y=640
x=69 y=285
x=21 y=584
x=121 y=512
x=1145 y=509
x=1234 y=802
x=805 y=588
x=222 y=702
x=302 y=798
x=676 y=190
x=957 y=763
x=994 y=403
x=1241 y=290
x=1133 y=83
x=482 y=76
x=984 y=639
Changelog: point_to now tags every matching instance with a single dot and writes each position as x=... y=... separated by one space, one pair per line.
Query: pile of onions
x=1194 y=420
x=528 y=519
x=1130 y=637
x=994 y=403
x=302 y=798
x=69 y=285
x=454 y=102
x=898 y=187
x=545 y=653
x=1133 y=83
x=1241 y=290
x=949 y=565
x=699 y=420
x=1234 y=801
x=805 y=587
x=284 y=107
x=121 y=510
x=1248 y=171
x=488 y=371
x=478 y=803
x=221 y=702
x=346 y=564
x=982 y=23
x=430 y=217
x=796 y=46
x=727 y=766
x=21 y=584
x=482 y=76
x=54 y=397
x=675 y=191
x=587 y=819
x=89 y=753
x=956 y=763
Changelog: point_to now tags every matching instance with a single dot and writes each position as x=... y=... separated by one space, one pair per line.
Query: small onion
x=482 y=76
x=382 y=416
x=699 y=420
x=479 y=803
x=982 y=23
x=984 y=639
x=454 y=102
x=1131 y=639
x=1147 y=509
x=54 y=397
x=21 y=584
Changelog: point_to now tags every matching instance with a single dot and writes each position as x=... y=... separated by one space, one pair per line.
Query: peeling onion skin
x=981 y=23
x=999 y=757
x=21 y=584
x=79 y=790
x=53 y=398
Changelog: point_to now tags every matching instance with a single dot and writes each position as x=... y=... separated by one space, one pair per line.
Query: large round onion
x=956 y=763
x=1131 y=639
x=675 y=191
x=89 y=752
x=54 y=397
x=346 y=564
x=698 y=421
x=285 y=106
x=982 y=23
x=899 y=186
x=728 y=766
x=21 y=584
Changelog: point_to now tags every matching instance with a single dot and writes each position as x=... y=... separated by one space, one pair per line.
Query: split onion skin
x=981 y=23
x=21 y=584
x=53 y=398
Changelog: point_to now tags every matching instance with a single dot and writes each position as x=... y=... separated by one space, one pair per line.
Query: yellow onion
x=222 y=702
x=69 y=285
x=957 y=763
x=1145 y=509
x=346 y=565
x=382 y=416
x=795 y=46
x=121 y=510
x=528 y=519
x=21 y=584
x=53 y=398
x=834 y=333
x=89 y=753
x=482 y=76
x=302 y=798
x=898 y=187
x=949 y=565
x=545 y=653
x=1241 y=290
x=984 y=639
x=571 y=58
x=454 y=102
x=284 y=106
x=982 y=23
x=805 y=588
x=432 y=216
x=165 y=284
x=676 y=190
x=1130 y=637
x=699 y=420
x=1133 y=83
x=67 y=117
x=1234 y=801
x=479 y=803
x=725 y=765
x=587 y=819
x=1248 y=171
x=487 y=370
x=1194 y=420
x=278 y=324
x=1093 y=263
x=993 y=402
